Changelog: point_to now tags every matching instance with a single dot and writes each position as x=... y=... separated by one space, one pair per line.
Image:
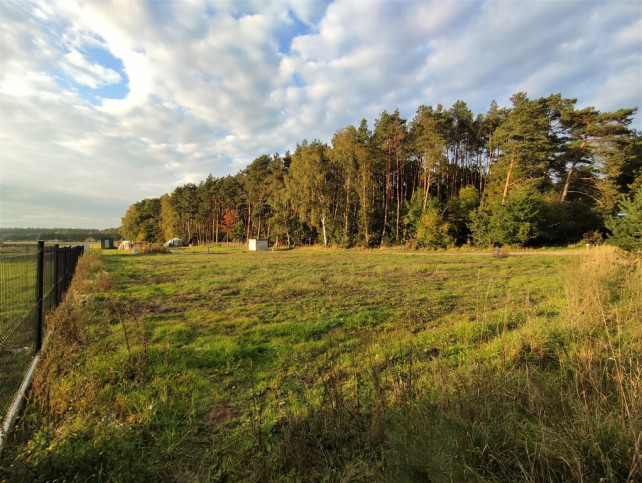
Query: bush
x=519 y=221
x=149 y=248
x=459 y=212
x=626 y=227
x=432 y=230
x=568 y=222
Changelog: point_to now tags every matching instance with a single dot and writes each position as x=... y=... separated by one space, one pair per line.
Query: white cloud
x=214 y=84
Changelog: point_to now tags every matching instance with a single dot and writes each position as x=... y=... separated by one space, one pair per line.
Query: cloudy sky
x=105 y=103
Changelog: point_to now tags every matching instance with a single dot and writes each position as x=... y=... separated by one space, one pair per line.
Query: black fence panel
x=33 y=278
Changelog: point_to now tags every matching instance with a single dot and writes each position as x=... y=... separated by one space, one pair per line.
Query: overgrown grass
x=563 y=402
x=339 y=365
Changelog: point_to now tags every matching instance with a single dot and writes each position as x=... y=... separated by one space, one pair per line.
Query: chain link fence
x=33 y=279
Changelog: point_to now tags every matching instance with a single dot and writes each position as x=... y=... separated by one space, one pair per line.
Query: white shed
x=255 y=245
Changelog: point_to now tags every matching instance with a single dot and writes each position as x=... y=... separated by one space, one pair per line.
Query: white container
x=256 y=245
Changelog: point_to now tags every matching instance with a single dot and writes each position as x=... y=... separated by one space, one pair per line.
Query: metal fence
x=33 y=279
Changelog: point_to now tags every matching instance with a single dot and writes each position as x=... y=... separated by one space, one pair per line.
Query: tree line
x=56 y=234
x=541 y=171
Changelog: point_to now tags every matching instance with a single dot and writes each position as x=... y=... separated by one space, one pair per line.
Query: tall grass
x=566 y=406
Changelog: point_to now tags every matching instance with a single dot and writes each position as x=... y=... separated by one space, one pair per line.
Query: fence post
x=67 y=267
x=70 y=271
x=56 y=276
x=39 y=294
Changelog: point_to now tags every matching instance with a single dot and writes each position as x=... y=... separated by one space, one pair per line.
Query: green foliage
x=566 y=223
x=626 y=227
x=432 y=229
x=459 y=213
x=169 y=222
x=631 y=173
x=414 y=211
x=525 y=143
x=309 y=185
x=142 y=221
x=429 y=132
x=517 y=222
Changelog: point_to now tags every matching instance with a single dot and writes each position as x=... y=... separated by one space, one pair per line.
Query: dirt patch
x=151 y=307
x=188 y=296
x=219 y=416
x=150 y=279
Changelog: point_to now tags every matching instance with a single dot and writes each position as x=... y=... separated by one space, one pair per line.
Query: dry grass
x=562 y=403
x=67 y=326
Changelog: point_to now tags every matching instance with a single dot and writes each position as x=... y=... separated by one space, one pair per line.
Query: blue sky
x=105 y=103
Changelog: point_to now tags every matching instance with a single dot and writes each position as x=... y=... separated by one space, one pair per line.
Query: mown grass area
x=339 y=365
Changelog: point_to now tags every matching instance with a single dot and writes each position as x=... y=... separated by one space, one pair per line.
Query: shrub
x=626 y=227
x=518 y=221
x=149 y=248
x=432 y=230
x=459 y=212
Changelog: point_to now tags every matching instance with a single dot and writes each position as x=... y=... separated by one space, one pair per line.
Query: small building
x=107 y=243
x=174 y=242
x=256 y=245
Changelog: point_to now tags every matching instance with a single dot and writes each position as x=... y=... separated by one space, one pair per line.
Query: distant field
x=307 y=362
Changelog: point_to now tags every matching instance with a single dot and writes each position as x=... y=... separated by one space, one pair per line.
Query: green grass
x=337 y=364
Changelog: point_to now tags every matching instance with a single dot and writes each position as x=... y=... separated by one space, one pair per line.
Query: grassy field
x=316 y=364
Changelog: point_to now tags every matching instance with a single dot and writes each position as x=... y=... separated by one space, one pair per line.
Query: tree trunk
x=249 y=219
x=216 y=228
x=385 y=218
x=480 y=172
x=385 y=202
x=427 y=189
x=398 y=196
x=345 y=228
x=325 y=237
x=510 y=170
x=491 y=154
x=567 y=184
x=364 y=208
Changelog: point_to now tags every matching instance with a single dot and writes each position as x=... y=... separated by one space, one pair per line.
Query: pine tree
x=525 y=143
x=626 y=226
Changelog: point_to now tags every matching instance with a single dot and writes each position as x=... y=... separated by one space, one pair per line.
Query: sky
x=103 y=103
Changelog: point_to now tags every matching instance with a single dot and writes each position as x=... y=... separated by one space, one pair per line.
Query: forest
x=540 y=172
